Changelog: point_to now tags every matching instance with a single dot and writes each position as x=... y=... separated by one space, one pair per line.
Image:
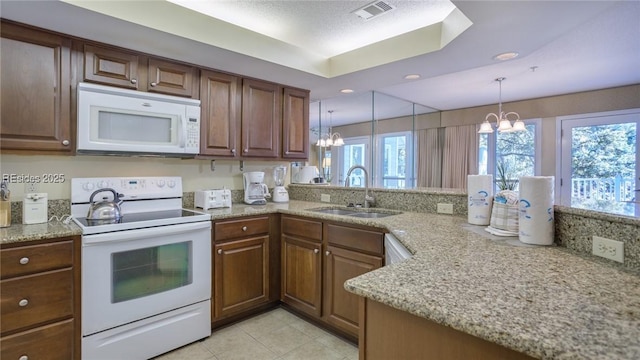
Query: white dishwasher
x=394 y=251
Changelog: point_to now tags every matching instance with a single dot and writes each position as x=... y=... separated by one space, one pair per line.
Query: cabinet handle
x=23 y=302
x=134 y=81
x=65 y=142
x=153 y=84
x=24 y=261
x=246 y=150
x=327 y=252
x=233 y=151
x=244 y=228
x=219 y=251
x=315 y=251
x=23 y=357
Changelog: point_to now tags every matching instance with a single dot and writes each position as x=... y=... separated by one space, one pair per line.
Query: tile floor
x=275 y=335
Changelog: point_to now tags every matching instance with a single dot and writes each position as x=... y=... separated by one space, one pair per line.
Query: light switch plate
x=325 y=197
x=445 y=209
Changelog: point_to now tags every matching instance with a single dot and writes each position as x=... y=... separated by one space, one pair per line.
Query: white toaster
x=212 y=199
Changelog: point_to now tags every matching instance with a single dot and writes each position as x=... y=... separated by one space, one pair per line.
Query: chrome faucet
x=369 y=201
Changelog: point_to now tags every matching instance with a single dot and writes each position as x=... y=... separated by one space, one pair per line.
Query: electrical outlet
x=445 y=209
x=608 y=249
x=325 y=197
x=30 y=188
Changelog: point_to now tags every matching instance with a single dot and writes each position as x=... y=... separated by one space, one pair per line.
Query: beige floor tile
x=195 y=351
x=333 y=342
x=227 y=339
x=312 y=351
x=283 y=340
x=265 y=323
x=250 y=351
x=307 y=328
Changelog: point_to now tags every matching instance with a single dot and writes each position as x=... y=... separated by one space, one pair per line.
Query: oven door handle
x=136 y=234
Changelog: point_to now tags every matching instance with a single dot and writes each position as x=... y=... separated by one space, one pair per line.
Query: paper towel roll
x=480 y=190
x=536 y=210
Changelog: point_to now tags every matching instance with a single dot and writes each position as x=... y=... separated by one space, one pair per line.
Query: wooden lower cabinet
x=302 y=275
x=388 y=333
x=40 y=300
x=241 y=275
x=340 y=307
x=241 y=266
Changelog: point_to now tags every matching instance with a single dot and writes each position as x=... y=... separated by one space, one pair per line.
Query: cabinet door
x=35 y=103
x=111 y=67
x=220 y=109
x=302 y=275
x=261 y=119
x=173 y=79
x=341 y=306
x=241 y=275
x=295 y=124
x=53 y=342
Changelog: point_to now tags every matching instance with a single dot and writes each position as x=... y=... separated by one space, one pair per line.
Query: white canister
x=536 y=222
x=480 y=192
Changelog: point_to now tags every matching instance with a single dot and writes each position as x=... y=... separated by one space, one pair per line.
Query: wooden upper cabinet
x=295 y=124
x=220 y=109
x=131 y=70
x=111 y=67
x=261 y=119
x=173 y=79
x=36 y=87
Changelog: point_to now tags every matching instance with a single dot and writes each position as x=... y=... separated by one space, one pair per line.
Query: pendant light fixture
x=502 y=119
x=331 y=139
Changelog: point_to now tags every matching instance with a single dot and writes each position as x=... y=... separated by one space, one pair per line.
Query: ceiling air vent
x=374 y=9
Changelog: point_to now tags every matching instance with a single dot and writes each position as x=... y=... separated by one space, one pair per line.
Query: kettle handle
x=116 y=198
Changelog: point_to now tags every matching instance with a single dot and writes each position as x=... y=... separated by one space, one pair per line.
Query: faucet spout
x=368 y=200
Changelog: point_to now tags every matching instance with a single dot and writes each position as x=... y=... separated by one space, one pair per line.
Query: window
x=355 y=151
x=600 y=163
x=396 y=170
x=508 y=156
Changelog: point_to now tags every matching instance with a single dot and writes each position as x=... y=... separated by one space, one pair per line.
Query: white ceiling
x=575 y=45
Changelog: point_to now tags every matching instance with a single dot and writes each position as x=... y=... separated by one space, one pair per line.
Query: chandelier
x=330 y=139
x=502 y=119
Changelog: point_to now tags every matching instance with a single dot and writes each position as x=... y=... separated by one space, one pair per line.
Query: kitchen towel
x=536 y=210
x=480 y=190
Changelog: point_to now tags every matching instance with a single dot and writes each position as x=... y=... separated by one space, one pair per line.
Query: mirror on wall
x=378 y=131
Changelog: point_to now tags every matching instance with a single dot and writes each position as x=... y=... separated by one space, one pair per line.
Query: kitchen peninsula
x=545 y=302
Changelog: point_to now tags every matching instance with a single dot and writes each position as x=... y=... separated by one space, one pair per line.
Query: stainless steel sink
x=371 y=214
x=356 y=212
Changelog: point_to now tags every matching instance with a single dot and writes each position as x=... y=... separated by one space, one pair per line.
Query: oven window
x=142 y=272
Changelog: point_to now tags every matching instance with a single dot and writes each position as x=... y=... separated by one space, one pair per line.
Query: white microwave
x=117 y=121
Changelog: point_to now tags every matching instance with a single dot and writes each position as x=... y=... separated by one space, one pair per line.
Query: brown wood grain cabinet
x=240 y=265
x=35 y=105
x=295 y=124
x=302 y=264
x=261 y=119
x=132 y=70
x=220 y=108
x=40 y=300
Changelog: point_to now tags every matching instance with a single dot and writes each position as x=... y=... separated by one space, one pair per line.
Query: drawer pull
x=327 y=252
x=24 y=261
x=134 y=81
x=315 y=251
x=219 y=251
x=23 y=302
x=244 y=228
x=153 y=84
x=23 y=357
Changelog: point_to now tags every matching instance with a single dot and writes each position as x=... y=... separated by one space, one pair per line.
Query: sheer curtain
x=430 y=143
x=460 y=155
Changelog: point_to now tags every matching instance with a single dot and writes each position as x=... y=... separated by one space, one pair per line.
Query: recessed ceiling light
x=506 y=56
x=346 y=91
x=412 y=76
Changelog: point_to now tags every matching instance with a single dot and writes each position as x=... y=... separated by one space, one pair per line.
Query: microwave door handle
x=182 y=129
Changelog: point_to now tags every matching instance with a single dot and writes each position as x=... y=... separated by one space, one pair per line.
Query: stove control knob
x=171 y=183
x=160 y=183
x=88 y=186
x=103 y=184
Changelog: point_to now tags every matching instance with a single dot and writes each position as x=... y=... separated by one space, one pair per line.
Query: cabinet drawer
x=36 y=299
x=232 y=229
x=31 y=259
x=308 y=229
x=357 y=239
x=54 y=342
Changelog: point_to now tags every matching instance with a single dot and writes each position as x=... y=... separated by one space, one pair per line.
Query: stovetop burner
x=141 y=217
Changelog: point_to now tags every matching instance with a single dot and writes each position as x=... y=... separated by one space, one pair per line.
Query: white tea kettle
x=105 y=211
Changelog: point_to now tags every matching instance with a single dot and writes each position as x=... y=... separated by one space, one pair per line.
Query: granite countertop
x=546 y=302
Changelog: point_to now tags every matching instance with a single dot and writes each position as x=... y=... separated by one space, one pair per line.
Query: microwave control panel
x=192 y=133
